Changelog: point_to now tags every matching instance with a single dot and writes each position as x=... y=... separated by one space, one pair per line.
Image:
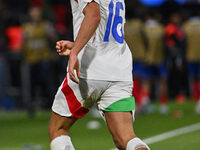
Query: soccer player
x=37 y=55
x=135 y=38
x=155 y=67
x=175 y=58
x=192 y=30
x=103 y=75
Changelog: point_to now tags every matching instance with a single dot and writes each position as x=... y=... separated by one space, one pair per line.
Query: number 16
x=117 y=20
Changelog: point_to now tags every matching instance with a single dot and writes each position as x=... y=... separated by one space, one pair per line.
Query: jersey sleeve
x=83 y=3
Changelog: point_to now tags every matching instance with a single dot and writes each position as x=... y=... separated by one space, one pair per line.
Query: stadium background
x=28 y=84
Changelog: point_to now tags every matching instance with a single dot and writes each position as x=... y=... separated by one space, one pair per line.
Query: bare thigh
x=59 y=125
x=120 y=125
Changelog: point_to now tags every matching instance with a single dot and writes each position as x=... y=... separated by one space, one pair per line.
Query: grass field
x=18 y=132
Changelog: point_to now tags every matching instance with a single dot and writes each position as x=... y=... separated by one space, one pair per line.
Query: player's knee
x=137 y=144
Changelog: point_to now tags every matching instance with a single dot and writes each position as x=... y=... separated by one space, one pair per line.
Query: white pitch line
x=173 y=133
x=170 y=134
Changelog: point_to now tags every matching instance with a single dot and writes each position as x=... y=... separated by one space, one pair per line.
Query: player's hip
x=76 y=99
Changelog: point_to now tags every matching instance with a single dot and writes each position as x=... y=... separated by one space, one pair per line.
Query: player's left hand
x=73 y=65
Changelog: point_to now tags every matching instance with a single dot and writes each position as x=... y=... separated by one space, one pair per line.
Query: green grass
x=17 y=130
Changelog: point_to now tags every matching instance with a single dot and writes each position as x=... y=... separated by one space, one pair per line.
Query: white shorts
x=75 y=100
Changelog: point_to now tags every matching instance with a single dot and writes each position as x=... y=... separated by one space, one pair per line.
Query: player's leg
x=146 y=90
x=66 y=109
x=58 y=132
x=59 y=125
x=197 y=109
x=120 y=125
x=118 y=107
x=162 y=73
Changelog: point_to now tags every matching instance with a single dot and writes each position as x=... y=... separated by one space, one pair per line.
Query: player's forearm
x=87 y=29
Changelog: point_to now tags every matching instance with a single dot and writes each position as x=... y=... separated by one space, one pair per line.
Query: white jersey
x=106 y=56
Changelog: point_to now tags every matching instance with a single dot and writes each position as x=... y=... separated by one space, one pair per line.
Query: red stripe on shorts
x=76 y=1
x=74 y=105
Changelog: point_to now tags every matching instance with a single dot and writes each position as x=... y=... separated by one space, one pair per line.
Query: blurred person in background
x=10 y=52
x=3 y=69
x=14 y=35
x=175 y=58
x=14 y=40
x=6 y=101
x=155 y=68
x=2 y=54
x=38 y=34
x=134 y=35
x=192 y=30
x=3 y=64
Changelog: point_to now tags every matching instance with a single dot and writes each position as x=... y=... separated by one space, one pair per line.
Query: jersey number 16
x=116 y=26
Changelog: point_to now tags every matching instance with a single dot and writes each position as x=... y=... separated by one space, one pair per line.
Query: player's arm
x=64 y=47
x=87 y=29
x=88 y=26
x=92 y=18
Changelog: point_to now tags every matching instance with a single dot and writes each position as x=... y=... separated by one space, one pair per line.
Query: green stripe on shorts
x=126 y=104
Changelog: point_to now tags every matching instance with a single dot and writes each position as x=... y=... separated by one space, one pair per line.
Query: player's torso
x=154 y=33
x=111 y=27
x=35 y=47
x=106 y=56
x=192 y=31
x=135 y=38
